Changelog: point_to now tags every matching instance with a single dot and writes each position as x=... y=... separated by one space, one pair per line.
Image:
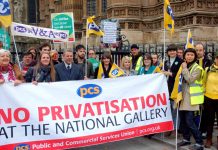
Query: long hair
x=106 y=55
x=39 y=65
x=147 y=56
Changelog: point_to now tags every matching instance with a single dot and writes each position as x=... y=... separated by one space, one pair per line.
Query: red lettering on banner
x=26 y=115
x=143 y=102
x=6 y=117
x=76 y=114
x=125 y=105
x=66 y=112
x=161 y=99
x=88 y=110
x=114 y=105
x=56 y=112
x=43 y=111
x=135 y=104
x=151 y=101
x=98 y=105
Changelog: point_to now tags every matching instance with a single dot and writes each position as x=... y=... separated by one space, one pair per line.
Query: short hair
x=27 y=53
x=92 y=50
x=67 y=50
x=172 y=47
x=180 y=48
x=155 y=54
x=44 y=45
x=4 y=50
x=79 y=47
x=200 y=43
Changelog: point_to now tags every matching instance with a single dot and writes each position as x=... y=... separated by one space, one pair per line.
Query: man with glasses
x=92 y=58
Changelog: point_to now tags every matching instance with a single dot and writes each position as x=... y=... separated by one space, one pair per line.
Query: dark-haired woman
x=147 y=67
x=43 y=71
x=192 y=92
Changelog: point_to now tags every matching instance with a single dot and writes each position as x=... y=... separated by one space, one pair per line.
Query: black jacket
x=174 y=69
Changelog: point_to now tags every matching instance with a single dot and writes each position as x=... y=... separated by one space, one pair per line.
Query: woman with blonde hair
x=9 y=72
x=43 y=71
x=126 y=66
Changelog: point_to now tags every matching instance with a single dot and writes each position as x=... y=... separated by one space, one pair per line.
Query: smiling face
x=154 y=58
x=106 y=61
x=127 y=64
x=172 y=53
x=147 y=61
x=4 y=58
x=45 y=59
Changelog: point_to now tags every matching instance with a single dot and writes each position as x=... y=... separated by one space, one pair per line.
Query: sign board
x=5 y=38
x=64 y=21
x=110 y=32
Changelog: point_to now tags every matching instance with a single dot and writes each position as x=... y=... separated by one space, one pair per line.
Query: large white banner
x=39 y=32
x=80 y=113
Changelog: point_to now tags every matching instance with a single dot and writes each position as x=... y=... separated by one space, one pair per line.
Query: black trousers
x=211 y=108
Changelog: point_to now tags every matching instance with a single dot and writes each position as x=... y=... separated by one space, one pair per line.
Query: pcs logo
x=22 y=147
x=89 y=91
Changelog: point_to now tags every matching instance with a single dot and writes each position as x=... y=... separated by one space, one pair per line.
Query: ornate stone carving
x=18 y=11
x=133 y=12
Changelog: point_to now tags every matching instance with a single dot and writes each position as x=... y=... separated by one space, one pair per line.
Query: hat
x=134 y=46
x=172 y=47
x=216 y=54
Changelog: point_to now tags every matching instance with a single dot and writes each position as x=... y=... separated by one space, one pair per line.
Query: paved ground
x=140 y=143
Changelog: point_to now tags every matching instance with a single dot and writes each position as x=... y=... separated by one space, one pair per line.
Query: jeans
x=188 y=126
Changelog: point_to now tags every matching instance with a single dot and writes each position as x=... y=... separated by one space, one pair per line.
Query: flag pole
x=164 y=55
x=15 y=46
x=86 y=48
x=177 y=116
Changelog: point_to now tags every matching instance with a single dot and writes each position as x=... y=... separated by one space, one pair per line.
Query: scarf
x=9 y=69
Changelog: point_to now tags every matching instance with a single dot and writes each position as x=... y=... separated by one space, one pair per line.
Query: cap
x=134 y=46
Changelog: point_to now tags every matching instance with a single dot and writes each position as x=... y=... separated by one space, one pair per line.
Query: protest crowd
x=197 y=109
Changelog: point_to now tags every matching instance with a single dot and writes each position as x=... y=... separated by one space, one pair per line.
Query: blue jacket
x=62 y=74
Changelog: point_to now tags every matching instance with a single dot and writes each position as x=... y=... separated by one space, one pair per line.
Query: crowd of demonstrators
x=126 y=66
x=148 y=67
x=211 y=99
x=9 y=72
x=67 y=70
x=44 y=70
x=81 y=61
x=92 y=58
x=156 y=61
x=39 y=67
x=192 y=97
x=136 y=57
x=171 y=67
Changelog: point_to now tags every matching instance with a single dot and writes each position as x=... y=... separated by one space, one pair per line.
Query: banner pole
x=86 y=48
x=177 y=114
x=164 y=55
x=15 y=46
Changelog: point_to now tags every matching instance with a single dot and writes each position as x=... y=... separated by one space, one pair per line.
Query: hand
x=167 y=73
x=17 y=82
x=184 y=65
x=2 y=81
x=23 y=72
x=86 y=78
x=35 y=82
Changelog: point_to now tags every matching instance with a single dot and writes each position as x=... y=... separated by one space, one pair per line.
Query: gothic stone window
x=104 y=6
x=91 y=7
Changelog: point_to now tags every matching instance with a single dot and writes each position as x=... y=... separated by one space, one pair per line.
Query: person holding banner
x=67 y=70
x=155 y=60
x=9 y=72
x=107 y=69
x=43 y=71
x=147 y=67
x=126 y=66
x=211 y=99
x=192 y=93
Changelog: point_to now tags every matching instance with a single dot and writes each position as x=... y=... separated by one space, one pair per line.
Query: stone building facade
x=142 y=20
